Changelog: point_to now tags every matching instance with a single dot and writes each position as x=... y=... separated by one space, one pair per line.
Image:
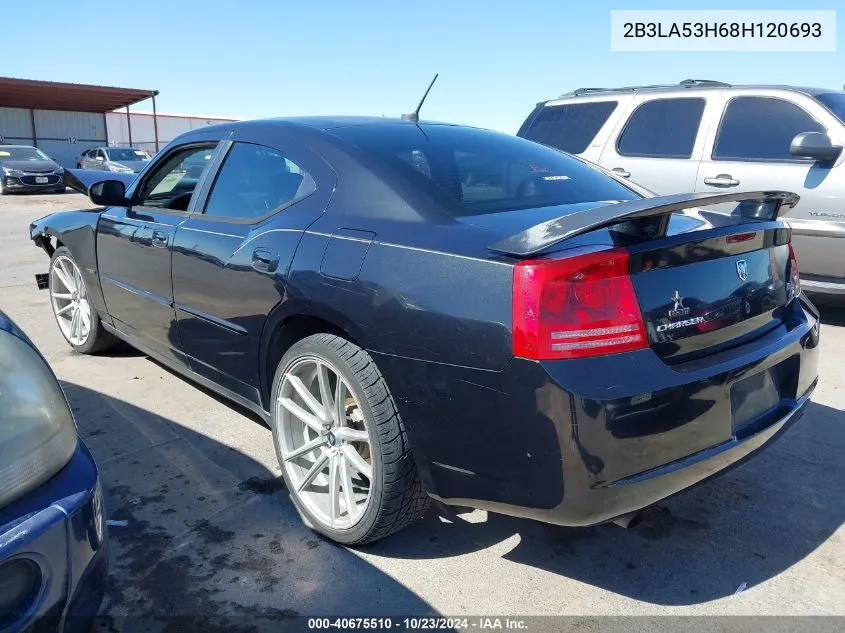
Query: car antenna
x=414 y=116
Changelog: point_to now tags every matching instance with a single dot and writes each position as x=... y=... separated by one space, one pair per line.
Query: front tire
x=77 y=319
x=341 y=444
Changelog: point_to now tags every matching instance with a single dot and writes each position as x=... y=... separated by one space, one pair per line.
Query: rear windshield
x=473 y=172
x=835 y=102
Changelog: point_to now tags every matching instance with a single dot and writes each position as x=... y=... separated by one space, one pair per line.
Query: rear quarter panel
x=425 y=315
x=414 y=296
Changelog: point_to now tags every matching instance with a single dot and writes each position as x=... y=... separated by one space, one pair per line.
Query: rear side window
x=570 y=127
x=254 y=181
x=761 y=128
x=475 y=172
x=664 y=128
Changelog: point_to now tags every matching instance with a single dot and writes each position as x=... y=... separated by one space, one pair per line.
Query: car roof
x=28 y=146
x=684 y=86
x=325 y=122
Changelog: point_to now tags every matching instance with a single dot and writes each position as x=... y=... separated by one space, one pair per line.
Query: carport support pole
x=129 y=125
x=34 y=133
x=155 y=121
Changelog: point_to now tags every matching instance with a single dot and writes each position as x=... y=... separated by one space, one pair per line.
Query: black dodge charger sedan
x=540 y=339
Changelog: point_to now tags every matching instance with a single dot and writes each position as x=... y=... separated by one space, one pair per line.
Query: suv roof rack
x=704 y=82
x=686 y=83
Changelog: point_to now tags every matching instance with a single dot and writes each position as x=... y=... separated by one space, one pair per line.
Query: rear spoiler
x=81 y=179
x=757 y=205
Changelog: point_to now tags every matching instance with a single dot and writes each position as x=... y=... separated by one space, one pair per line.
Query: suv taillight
x=793 y=267
x=576 y=307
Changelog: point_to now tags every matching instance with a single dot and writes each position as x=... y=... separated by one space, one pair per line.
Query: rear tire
x=77 y=319
x=386 y=491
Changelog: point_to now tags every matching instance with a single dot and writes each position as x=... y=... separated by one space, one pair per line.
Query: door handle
x=160 y=239
x=621 y=171
x=722 y=180
x=264 y=260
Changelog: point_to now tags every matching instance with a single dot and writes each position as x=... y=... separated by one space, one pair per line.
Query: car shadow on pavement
x=200 y=529
x=747 y=526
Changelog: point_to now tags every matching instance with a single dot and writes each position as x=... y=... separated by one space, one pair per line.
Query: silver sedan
x=114 y=159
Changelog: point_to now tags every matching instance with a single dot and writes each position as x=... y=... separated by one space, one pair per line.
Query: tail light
x=793 y=267
x=576 y=307
x=740 y=237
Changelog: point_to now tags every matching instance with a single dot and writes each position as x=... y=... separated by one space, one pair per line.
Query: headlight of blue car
x=37 y=431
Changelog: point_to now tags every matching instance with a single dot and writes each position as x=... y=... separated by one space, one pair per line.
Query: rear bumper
x=583 y=442
x=60 y=527
x=587 y=505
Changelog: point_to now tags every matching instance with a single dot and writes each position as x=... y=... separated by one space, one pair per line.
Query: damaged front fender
x=76 y=231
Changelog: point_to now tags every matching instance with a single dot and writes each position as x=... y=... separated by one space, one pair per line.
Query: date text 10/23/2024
x=481 y=623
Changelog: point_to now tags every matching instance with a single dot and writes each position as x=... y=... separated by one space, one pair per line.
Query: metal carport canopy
x=53 y=95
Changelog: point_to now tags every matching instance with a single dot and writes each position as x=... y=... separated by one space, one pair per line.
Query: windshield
x=835 y=102
x=123 y=154
x=22 y=153
x=473 y=172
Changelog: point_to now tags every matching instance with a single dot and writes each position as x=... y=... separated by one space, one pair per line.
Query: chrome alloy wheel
x=324 y=443
x=70 y=300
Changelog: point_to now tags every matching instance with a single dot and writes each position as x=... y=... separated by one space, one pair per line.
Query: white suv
x=711 y=136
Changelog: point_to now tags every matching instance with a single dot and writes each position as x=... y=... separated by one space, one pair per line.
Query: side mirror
x=108 y=193
x=100 y=158
x=815 y=145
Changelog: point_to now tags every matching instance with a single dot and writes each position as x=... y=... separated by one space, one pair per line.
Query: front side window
x=570 y=127
x=664 y=128
x=171 y=185
x=761 y=128
x=255 y=181
x=475 y=172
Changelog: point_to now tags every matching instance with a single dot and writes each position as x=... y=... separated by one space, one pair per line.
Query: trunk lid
x=716 y=291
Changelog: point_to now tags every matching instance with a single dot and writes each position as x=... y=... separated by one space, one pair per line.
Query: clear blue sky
x=253 y=58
